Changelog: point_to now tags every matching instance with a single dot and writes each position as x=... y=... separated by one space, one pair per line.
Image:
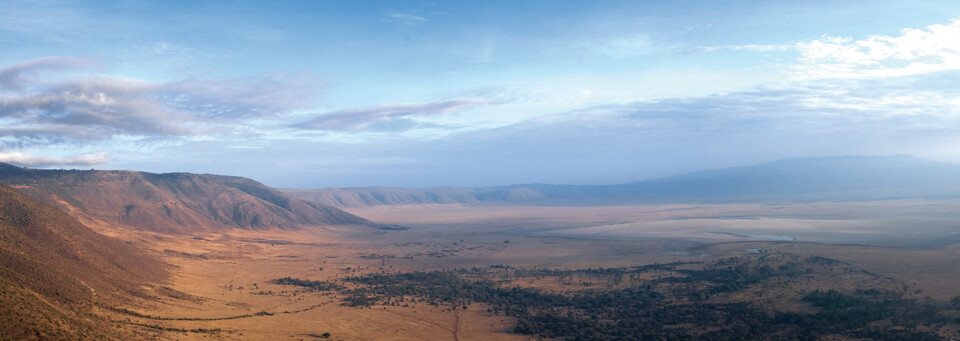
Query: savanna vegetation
x=767 y=296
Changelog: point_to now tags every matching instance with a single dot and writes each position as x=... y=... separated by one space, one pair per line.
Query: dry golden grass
x=211 y=268
x=223 y=274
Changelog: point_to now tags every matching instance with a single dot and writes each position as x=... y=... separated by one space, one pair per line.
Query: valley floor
x=223 y=284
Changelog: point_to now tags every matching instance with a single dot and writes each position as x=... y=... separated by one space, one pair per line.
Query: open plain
x=223 y=285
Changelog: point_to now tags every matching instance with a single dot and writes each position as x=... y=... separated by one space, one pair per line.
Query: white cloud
x=44 y=161
x=914 y=51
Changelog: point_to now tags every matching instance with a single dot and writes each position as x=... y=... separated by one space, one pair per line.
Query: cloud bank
x=43 y=161
x=620 y=143
x=39 y=109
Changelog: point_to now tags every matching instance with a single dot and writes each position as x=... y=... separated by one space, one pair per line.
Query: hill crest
x=172 y=202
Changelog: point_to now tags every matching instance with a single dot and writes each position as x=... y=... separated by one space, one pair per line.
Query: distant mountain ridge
x=797 y=179
x=172 y=202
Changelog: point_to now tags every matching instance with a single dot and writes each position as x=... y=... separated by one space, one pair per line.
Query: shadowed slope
x=174 y=202
x=52 y=268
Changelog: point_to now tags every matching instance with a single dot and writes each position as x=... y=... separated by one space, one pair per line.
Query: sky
x=313 y=94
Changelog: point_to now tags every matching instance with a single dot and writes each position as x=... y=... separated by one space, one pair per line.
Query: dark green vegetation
x=767 y=296
x=311 y=285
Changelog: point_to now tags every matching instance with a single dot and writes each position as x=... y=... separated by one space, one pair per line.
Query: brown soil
x=220 y=281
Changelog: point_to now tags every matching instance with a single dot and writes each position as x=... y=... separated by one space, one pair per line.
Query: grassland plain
x=223 y=284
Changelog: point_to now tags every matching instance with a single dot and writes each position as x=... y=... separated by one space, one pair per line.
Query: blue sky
x=468 y=93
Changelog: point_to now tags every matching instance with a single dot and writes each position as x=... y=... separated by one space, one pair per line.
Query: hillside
x=173 y=202
x=799 y=179
x=52 y=269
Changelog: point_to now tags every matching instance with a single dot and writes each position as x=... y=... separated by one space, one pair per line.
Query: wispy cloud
x=259 y=96
x=169 y=48
x=851 y=116
x=17 y=76
x=406 y=18
x=619 y=48
x=43 y=110
x=393 y=117
x=25 y=159
x=910 y=103
x=698 y=27
x=755 y=48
